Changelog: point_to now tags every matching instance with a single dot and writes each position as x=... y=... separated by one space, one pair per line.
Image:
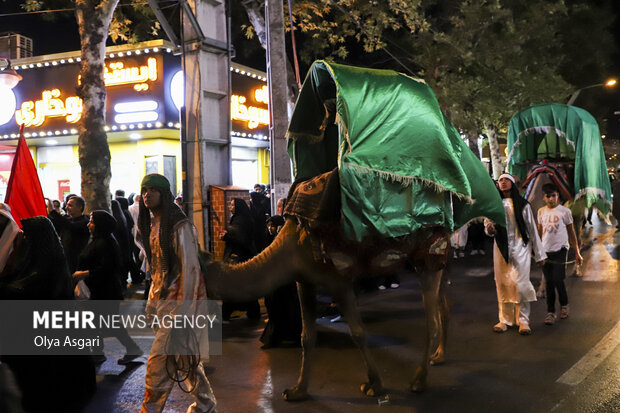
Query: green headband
x=157 y=181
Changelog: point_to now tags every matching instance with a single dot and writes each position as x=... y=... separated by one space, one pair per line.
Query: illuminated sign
x=253 y=115
x=136 y=81
x=262 y=95
x=115 y=73
x=50 y=106
x=118 y=74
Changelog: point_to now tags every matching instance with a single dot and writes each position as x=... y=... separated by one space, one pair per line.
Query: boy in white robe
x=512 y=277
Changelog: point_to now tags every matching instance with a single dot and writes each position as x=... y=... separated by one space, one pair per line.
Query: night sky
x=60 y=34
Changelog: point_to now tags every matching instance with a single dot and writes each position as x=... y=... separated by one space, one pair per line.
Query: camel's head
x=206 y=259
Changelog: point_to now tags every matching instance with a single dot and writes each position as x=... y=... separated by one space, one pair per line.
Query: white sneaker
x=481 y=252
x=461 y=254
x=394 y=285
x=474 y=252
x=381 y=287
x=454 y=255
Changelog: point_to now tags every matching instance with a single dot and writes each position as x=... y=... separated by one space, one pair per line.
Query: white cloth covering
x=459 y=237
x=185 y=290
x=512 y=279
x=8 y=235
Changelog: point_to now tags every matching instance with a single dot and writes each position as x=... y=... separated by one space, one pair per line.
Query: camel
x=381 y=179
x=294 y=256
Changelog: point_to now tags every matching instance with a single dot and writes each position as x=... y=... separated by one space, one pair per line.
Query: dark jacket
x=259 y=218
x=238 y=238
x=73 y=236
x=102 y=259
x=39 y=271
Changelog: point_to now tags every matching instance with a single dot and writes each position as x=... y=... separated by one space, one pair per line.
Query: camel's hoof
x=437 y=359
x=417 y=387
x=419 y=380
x=371 y=390
x=294 y=394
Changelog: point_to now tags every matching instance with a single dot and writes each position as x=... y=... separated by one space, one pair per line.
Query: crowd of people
x=144 y=238
x=250 y=230
x=147 y=238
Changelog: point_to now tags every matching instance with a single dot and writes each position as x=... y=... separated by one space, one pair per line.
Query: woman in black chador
x=99 y=266
x=37 y=270
x=239 y=248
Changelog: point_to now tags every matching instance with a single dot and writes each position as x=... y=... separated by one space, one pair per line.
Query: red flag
x=24 y=194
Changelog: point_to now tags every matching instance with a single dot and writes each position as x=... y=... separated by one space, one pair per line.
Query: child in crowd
x=555 y=226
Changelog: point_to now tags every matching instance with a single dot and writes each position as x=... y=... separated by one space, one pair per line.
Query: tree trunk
x=472 y=142
x=496 y=163
x=94 y=17
x=255 y=10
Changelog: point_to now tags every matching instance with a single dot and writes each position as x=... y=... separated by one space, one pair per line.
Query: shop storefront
x=144 y=90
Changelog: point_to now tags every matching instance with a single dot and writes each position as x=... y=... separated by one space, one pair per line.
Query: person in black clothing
x=72 y=229
x=137 y=276
x=100 y=267
x=283 y=310
x=259 y=219
x=239 y=248
x=238 y=236
x=122 y=235
x=37 y=270
x=476 y=237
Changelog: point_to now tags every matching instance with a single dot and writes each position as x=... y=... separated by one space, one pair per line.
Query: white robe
x=512 y=278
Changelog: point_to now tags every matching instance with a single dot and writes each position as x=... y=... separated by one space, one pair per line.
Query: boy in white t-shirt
x=555 y=227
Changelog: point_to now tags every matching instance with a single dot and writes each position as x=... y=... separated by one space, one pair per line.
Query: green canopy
x=561 y=132
x=401 y=164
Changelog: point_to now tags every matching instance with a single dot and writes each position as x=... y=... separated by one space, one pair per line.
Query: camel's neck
x=261 y=275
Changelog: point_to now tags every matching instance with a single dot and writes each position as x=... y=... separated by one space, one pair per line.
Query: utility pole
x=278 y=104
x=206 y=149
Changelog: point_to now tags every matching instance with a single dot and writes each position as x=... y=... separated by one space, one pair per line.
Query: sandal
x=564 y=312
x=550 y=318
x=500 y=327
x=524 y=329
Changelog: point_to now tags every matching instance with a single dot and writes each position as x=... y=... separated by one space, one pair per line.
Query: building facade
x=144 y=85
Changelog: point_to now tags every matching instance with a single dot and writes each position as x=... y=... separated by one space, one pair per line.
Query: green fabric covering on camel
x=401 y=164
x=565 y=133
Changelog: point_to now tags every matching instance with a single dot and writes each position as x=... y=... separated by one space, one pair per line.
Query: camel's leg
x=345 y=298
x=439 y=357
x=430 y=283
x=307 y=299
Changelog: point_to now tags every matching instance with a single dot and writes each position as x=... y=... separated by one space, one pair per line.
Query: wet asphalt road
x=484 y=372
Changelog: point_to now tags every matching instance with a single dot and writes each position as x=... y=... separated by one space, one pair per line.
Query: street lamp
x=8 y=80
x=608 y=83
x=8 y=76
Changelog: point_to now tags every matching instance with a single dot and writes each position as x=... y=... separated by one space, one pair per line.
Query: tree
x=330 y=28
x=96 y=20
x=488 y=59
x=485 y=59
